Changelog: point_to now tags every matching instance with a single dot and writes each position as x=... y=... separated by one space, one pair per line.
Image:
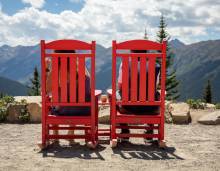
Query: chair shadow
x=76 y=151
x=149 y=151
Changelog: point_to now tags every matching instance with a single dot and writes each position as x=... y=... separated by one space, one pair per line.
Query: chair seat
x=138 y=110
x=138 y=114
x=52 y=119
x=138 y=119
x=72 y=111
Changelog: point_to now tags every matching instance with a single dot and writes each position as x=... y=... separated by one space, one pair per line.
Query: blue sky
x=11 y=7
x=26 y=22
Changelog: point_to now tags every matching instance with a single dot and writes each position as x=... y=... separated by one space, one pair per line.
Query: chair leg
x=87 y=139
x=161 y=142
x=44 y=143
x=92 y=143
x=113 y=142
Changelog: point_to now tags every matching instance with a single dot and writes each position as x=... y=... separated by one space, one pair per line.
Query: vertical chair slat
x=142 y=85
x=81 y=79
x=125 y=78
x=151 y=79
x=73 y=82
x=63 y=79
x=134 y=78
x=55 y=80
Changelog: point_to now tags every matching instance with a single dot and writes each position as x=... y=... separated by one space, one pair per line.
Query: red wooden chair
x=137 y=95
x=69 y=95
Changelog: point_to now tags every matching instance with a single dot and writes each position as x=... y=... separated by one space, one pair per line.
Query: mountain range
x=194 y=64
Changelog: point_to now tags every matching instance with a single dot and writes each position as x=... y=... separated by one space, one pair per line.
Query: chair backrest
x=68 y=70
x=138 y=70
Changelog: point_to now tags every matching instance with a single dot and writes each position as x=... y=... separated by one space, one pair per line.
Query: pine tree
x=35 y=84
x=171 y=81
x=145 y=34
x=208 y=93
x=1 y=95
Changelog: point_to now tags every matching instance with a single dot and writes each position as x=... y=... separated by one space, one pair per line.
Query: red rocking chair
x=137 y=92
x=68 y=89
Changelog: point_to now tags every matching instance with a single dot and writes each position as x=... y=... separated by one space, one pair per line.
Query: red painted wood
x=147 y=103
x=151 y=79
x=139 y=45
x=163 y=87
x=138 y=127
x=63 y=79
x=68 y=104
x=116 y=116
x=55 y=80
x=69 y=120
x=72 y=67
x=68 y=128
x=139 y=135
x=94 y=111
x=61 y=75
x=109 y=91
x=113 y=97
x=68 y=44
x=142 y=81
x=141 y=55
x=67 y=136
x=81 y=79
x=134 y=78
x=98 y=92
x=134 y=119
x=125 y=79
x=43 y=90
x=67 y=55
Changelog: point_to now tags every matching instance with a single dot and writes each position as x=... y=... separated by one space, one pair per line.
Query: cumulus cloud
x=106 y=20
x=35 y=3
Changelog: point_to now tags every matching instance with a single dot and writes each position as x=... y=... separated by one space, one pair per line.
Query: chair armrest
x=160 y=91
x=98 y=93
x=109 y=91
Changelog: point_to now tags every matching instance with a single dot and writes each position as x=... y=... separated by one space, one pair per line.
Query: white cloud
x=106 y=20
x=35 y=3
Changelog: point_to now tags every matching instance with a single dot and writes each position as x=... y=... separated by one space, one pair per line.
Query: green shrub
x=7 y=99
x=217 y=105
x=22 y=102
x=196 y=104
x=4 y=101
x=3 y=113
x=24 y=115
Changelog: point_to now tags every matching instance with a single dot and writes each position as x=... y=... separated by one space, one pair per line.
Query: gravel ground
x=190 y=147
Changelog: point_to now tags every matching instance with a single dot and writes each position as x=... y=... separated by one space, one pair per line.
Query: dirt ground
x=190 y=147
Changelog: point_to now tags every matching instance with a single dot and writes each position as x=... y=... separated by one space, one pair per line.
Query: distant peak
x=5 y=46
x=176 y=43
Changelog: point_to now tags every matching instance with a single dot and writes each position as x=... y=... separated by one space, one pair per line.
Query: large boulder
x=168 y=117
x=180 y=113
x=33 y=106
x=212 y=118
x=14 y=111
x=210 y=106
x=35 y=112
x=29 y=99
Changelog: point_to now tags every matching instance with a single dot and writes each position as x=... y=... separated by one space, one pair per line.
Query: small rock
x=180 y=113
x=212 y=118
